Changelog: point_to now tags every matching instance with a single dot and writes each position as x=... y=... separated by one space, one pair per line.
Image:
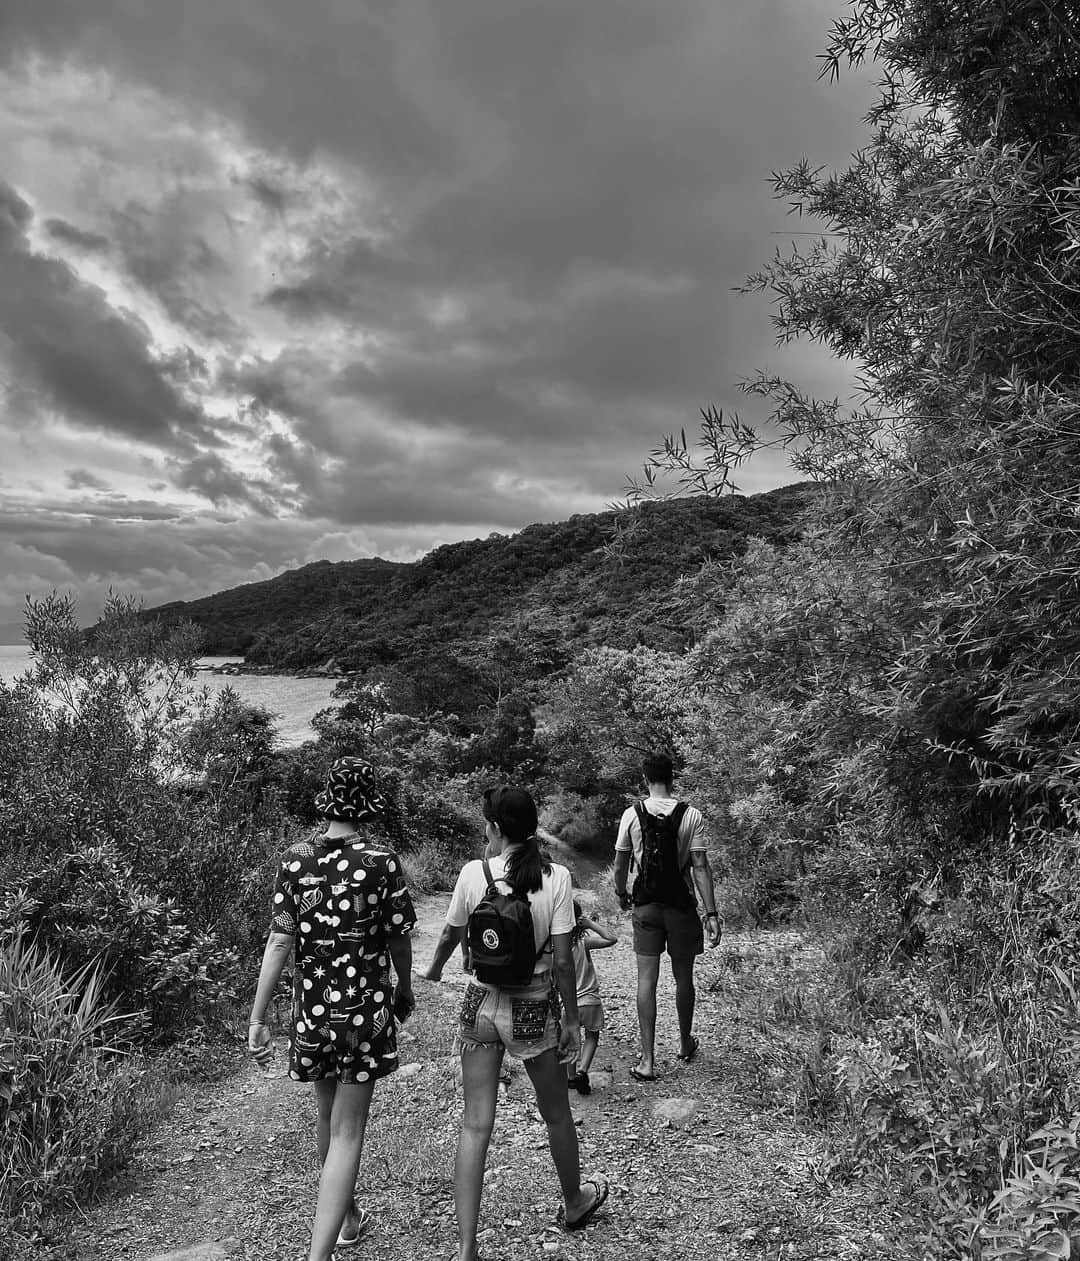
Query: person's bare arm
x=598 y=937
x=620 y=876
x=400 y=949
x=449 y=940
x=276 y=954
x=703 y=879
x=566 y=981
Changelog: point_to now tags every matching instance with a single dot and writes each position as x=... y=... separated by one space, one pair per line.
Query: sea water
x=294 y=701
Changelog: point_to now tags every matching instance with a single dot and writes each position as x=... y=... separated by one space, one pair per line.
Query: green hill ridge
x=596 y=578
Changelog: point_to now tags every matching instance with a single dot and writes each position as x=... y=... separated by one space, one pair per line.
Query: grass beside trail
x=235 y=1160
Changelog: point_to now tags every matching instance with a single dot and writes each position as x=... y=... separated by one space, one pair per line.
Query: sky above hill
x=283 y=281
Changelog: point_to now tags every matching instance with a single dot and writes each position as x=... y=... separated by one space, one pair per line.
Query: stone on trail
x=213 y=1250
x=677 y=1111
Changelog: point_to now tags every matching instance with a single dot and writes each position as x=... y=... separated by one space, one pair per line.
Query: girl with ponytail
x=524 y=1019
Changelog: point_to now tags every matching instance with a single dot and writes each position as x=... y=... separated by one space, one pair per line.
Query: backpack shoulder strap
x=640 y=812
x=488 y=876
x=676 y=817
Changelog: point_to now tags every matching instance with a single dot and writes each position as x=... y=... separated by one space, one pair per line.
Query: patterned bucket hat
x=351 y=791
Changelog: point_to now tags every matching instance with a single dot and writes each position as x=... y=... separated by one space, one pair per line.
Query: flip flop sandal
x=695 y=1046
x=600 y=1186
x=363 y=1223
x=638 y=1075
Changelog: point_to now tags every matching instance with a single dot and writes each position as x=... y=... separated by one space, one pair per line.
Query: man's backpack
x=502 y=942
x=660 y=878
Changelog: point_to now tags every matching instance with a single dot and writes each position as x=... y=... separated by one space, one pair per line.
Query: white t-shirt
x=691 y=832
x=552 y=905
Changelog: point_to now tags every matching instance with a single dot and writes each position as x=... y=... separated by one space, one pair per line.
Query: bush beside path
x=707 y=1162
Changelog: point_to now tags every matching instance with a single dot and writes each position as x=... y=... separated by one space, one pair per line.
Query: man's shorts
x=591 y=1016
x=524 y=1021
x=658 y=927
x=337 y=1050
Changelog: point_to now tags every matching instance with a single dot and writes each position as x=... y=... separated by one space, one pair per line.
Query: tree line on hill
x=598 y=578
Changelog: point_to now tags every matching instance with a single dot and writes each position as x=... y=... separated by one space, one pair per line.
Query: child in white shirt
x=587 y=936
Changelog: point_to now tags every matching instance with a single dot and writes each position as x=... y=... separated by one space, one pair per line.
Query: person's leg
x=682 y=969
x=588 y=1050
x=348 y=1121
x=480 y=1084
x=648 y=973
x=324 y=1104
x=549 y=1082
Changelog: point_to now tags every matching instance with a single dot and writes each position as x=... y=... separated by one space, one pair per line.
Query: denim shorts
x=524 y=1021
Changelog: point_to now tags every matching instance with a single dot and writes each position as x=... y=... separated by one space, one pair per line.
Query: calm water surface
x=295 y=701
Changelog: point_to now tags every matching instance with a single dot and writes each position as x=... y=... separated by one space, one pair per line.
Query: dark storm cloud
x=270 y=195
x=69 y=234
x=505 y=272
x=162 y=250
x=321 y=75
x=83 y=479
x=208 y=475
x=74 y=352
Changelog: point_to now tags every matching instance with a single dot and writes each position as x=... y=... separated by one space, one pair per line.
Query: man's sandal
x=363 y=1223
x=695 y=1046
x=600 y=1186
x=639 y=1074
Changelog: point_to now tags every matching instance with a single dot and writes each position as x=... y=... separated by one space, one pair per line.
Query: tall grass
x=71 y=1103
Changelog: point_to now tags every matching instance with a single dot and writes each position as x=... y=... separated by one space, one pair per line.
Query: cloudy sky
x=282 y=281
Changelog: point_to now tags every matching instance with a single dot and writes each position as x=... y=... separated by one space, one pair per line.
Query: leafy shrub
x=429 y=868
x=87 y=909
x=71 y=1106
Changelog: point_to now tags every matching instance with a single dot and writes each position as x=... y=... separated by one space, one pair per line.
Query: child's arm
x=593 y=926
x=596 y=938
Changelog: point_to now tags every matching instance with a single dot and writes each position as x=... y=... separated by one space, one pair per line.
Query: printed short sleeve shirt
x=342 y=901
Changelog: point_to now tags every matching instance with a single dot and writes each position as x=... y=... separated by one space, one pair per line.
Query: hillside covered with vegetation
x=599 y=578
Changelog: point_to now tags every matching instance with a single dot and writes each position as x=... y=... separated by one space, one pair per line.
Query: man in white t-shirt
x=665 y=917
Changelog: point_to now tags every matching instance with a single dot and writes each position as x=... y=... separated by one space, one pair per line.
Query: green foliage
x=898 y=696
x=90 y=910
x=141 y=829
x=427 y=628
x=71 y=1107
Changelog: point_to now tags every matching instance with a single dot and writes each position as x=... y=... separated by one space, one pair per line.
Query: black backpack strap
x=676 y=817
x=488 y=876
x=641 y=812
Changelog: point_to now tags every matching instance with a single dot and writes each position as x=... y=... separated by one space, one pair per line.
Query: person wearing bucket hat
x=341 y=903
x=351 y=792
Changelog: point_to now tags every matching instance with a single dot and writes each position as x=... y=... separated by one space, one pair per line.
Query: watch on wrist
x=712 y=915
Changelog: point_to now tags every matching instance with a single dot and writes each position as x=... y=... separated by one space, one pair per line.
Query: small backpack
x=502 y=942
x=660 y=878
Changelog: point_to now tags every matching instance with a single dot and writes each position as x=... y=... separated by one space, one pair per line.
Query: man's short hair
x=657 y=769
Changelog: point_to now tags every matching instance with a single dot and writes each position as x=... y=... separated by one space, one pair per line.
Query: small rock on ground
x=212 y=1250
x=678 y=1111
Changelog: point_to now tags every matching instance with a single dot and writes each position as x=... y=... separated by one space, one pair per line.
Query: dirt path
x=235 y=1163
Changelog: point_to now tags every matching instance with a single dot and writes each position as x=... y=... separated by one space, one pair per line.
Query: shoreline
x=233 y=668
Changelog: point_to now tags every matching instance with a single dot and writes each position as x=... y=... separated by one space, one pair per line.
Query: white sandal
x=363 y=1222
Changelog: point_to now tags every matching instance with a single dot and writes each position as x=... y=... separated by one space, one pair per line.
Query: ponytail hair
x=514 y=810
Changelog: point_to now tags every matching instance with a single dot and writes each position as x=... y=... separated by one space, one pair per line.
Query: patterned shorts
x=524 y=1021
x=336 y=1050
